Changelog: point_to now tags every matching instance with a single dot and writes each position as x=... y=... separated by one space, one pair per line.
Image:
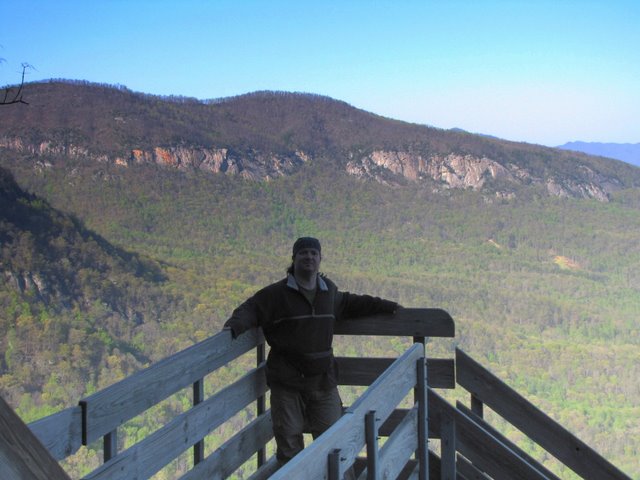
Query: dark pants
x=294 y=412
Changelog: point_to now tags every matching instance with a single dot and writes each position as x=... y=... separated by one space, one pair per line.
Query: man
x=297 y=316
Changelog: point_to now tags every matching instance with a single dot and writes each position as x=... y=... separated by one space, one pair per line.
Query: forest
x=144 y=261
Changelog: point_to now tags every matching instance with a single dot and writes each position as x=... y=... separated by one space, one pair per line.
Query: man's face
x=307 y=260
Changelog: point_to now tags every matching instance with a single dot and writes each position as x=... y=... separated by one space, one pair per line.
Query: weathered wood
x=468 y=471
x=266 y=470
x=198 y=397
x=109 y=445
x=398 y=448
x=484 y=450
x=60 y=433
x=364 y=371
x=538 y=426
x=496 y=434
x=105 y=410
x=448 y=446
x=334 y=469
x=477 y=407
x=421 y=393
x=261 y=402
x=406 y=322
x=22 y=456
x=233 y=453
x=347 y=434
x=371 y=440
x=158 y=449
x=393 y=420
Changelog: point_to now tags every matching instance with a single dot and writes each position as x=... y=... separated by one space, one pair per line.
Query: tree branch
x=10 y=98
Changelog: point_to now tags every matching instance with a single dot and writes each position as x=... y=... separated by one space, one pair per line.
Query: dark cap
x=306 y=242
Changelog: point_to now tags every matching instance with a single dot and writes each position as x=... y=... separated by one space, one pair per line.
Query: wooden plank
x=364 y=371
x=158 y=449
x=198 y=398
x=22 y=456
x=421 y=393
x=60 y=433
x=371 y=425
x=538 y=426
x=468 y=471
x=266 y=470
x=233 y=453
x=105 y=410
x=406 y=322
x=495 y=433
x=393 y=420
x=484 y=450
x=347 y=434
x=448 y=447
x=398 y=449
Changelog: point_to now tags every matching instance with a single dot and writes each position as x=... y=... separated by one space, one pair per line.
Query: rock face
x=385 y=166
x=253 y=165
x=467 y=171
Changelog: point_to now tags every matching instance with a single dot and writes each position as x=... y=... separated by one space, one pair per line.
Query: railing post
x=423 y=419
x=198 y=397
x=371 y=437
x=110 y=446
x=261 y=406
x=448 y=446
x=334 y=465
x=477 y=406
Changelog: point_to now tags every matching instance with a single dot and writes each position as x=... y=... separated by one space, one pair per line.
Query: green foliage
x=545 y=291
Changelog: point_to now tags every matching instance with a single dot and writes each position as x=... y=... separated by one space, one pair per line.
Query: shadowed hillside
x=69 y=300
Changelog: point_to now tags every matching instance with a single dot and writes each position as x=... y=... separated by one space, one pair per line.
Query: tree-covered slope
x=70 y=303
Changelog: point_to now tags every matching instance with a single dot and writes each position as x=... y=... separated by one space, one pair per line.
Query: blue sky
x=539 y=71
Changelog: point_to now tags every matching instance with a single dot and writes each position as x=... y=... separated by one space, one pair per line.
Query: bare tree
x=13 y=95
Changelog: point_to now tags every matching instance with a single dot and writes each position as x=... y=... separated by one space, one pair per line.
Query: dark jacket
x=299 y=333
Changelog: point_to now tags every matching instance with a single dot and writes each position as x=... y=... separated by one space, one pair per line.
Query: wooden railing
x=469 y=447
x=501 y=458
x=103 y=413
x=336 y=450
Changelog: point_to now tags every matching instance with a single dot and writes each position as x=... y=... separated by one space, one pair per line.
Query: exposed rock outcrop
x=253 y=165
x=385 y=166
x=467 y=171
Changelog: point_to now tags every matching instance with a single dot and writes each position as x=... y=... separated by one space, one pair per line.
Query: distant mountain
x=627 y=152
x=265 y=135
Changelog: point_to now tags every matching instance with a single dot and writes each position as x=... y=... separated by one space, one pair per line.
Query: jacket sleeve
x=351 y=305
x=243 y=318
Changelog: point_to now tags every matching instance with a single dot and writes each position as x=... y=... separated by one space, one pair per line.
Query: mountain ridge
x=264 y=135
x=626 y=152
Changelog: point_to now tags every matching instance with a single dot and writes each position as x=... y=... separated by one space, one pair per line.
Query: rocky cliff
x=385 y=166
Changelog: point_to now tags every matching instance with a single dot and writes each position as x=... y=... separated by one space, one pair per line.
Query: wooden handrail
x=21 y=453
x=100 y=415
x=146 y=457
x=534 y=423
x=106 y=410
x=406 y=322
x=348 y=434
x=60 y=433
